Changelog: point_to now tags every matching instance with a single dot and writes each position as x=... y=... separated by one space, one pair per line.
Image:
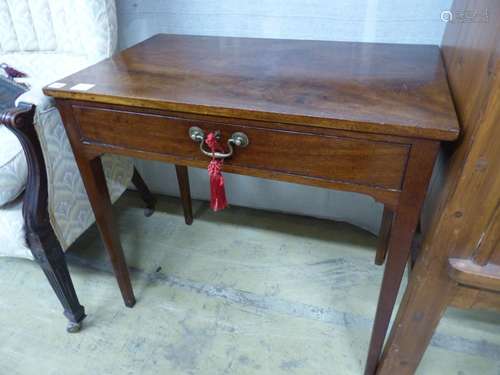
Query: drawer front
x=343 y=159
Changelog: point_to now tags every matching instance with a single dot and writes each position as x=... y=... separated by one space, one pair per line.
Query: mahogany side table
x=359 y=117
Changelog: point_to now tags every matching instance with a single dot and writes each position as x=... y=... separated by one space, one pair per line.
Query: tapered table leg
x=183 y=181
x=427 y=297
x=385 y=232
x=419 y=170
x=97 y=190
x=146 y=195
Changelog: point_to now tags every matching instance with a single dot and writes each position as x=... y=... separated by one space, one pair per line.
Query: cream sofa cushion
x=45 y=67
x=69 y=208
x=76 y=27
x=12 y=233
x=50 y=39
x=13 y=167
x=42 y=68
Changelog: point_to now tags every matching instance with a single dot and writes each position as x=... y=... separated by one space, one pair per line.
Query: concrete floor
x=239 y=292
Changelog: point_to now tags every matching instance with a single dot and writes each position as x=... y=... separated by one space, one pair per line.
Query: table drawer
x=344 y=159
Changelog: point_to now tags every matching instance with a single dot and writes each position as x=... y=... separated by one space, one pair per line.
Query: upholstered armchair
x=49 y=39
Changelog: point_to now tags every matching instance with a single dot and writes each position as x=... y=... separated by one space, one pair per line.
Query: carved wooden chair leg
x=48 y=253
x=146 y=195
x=384 y=235
x=40 y=236
x=185 y=193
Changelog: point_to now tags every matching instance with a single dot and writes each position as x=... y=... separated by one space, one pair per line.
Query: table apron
x=375 y=167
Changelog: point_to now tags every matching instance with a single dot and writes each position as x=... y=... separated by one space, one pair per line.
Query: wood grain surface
x=377 y=164
x=355 y=116
x=378 y=88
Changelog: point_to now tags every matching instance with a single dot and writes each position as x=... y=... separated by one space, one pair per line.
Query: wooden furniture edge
x=40 y=236
x=247 y=114
x=387 y=196
x=467 y=272
x=465 y=297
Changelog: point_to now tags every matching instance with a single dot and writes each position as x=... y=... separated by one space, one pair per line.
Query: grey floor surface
x=238 y=292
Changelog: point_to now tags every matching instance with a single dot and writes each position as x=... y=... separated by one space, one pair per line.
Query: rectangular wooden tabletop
x=376 y=88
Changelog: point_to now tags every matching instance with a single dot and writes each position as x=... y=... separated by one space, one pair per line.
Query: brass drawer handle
x=238 y=139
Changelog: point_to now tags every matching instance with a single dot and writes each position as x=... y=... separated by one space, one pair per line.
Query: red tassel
x=217 y=192
x=218 y=199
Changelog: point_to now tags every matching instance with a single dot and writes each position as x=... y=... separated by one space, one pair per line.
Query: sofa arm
x=35 y=96
x=15 y=118
x=37 y=223
x=40 y=235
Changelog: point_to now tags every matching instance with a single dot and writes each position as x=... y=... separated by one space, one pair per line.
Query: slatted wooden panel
x=463 y=216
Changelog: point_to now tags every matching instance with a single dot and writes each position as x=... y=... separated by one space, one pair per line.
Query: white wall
x=392 y=21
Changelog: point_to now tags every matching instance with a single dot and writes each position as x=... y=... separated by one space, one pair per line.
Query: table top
x=391 y=89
